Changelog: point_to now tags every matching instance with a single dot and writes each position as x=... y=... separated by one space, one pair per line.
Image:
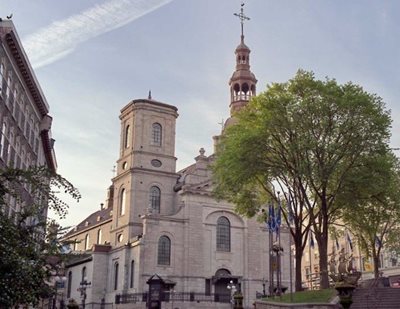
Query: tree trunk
x=323 y=245
x=298 y=256
x=322 y=241
x=376 y=266
x=323 y=265
x=375 y=257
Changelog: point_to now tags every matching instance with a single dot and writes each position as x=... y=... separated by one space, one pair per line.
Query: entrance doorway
x=221 y=280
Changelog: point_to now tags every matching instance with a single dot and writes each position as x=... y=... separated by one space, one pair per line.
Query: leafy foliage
x=373 y=213
x=307 y=137
x=29 y=250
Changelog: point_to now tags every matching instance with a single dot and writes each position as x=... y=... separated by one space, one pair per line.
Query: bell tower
x=243 y=82
x=146 y=168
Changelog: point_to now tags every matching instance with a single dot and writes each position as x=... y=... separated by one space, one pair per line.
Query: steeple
x=243 y=82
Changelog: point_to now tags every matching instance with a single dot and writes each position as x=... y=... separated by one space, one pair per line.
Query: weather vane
x=241 y=16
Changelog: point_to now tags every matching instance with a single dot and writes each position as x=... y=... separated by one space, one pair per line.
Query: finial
x=149 y=97
x=202 y=151
x=242 y=18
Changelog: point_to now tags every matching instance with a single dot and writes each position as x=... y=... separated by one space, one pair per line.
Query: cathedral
x=160 y=232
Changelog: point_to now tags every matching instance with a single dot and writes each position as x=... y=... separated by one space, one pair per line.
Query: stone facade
x=25 y=123
x=160 y=221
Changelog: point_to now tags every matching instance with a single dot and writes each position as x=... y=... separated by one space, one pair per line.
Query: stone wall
x=179 y=305
x=271 y=305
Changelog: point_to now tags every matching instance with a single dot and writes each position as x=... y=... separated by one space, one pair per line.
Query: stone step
x=379 y=298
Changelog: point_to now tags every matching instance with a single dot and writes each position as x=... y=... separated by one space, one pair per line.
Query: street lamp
x=171 y=293
x=277 y=251
x=59 y=283
x=263 y=284
x=82 y=287
x=232 y=287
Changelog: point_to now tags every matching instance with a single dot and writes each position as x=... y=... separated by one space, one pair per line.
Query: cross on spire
x=221 y=123
x=242 y=17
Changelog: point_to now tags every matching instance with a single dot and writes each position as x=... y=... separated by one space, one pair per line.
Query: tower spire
x=243 y=82
x=242 y=18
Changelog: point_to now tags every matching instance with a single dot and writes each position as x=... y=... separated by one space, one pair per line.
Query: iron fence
x=97 y=306
x=174 y=297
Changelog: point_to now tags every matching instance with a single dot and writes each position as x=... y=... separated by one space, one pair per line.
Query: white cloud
x=60 y=38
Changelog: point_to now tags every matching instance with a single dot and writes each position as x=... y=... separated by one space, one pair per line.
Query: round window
x=156 y=163
x=124 y=165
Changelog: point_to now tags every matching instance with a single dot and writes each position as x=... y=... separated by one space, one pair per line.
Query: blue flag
x=290 y=210
x=272 y=217
x=279 y=216
x=349 y=240
x=269 y=221
x=378 y=242
x=311 y=240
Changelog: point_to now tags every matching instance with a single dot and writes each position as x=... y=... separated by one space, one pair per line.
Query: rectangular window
x=22 y=121
x=27 y=130
x=132 y=274
x=307 y=273
x=208 y=287
x=3 y=86
x=8 y=91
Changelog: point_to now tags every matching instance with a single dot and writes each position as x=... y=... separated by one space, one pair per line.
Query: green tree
x=308 y=135
x=373 y=214
x=28 y=254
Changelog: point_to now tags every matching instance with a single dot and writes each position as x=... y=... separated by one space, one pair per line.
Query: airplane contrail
x=61 y=37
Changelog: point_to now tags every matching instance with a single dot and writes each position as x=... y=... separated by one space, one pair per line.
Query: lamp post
x=82 y=287
x=171 y=293
x=59 y=283
x=277 y=251
x=263 y=284
x=232 y=287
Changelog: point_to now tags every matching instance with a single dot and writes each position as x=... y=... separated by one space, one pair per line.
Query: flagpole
x=270 y=239
x=279 y=275
x=309 y=252
x=290 y=217
x=271 y=269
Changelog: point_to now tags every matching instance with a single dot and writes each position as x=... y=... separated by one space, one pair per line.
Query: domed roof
x=242 y=46
x=243 y=74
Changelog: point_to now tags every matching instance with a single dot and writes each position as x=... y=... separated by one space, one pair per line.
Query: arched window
x=83 y=274
x=127 y=139
x=69 y=284
x=156 y=134
x=132 y=274
x=116 y=268
x=164 y=251
x=155 y=198
x=87 y=242
x=223 y=234
x=122 y=202
x=99 y=236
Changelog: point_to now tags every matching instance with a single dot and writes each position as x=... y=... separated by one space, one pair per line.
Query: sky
x=93 y=57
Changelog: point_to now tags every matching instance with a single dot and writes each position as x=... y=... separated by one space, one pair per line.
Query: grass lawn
x=317 y=296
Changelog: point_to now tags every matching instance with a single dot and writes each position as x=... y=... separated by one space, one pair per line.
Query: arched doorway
x=221 y=280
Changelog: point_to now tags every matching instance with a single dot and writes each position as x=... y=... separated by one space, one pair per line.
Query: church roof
x=149 y=101
x=242 y=75
x=94 y=219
